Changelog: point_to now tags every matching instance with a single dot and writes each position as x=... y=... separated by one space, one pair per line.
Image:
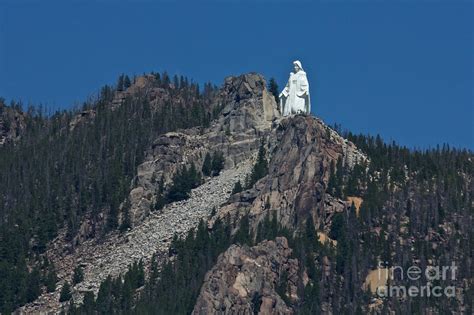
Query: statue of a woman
x=294 y=99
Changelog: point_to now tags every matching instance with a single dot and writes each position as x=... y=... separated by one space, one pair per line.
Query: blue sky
x=402 y=69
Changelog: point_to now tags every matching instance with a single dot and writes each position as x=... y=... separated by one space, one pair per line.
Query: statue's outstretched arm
x=286 y=90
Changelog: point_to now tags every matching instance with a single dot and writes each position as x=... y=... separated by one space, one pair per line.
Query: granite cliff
x=245 y=280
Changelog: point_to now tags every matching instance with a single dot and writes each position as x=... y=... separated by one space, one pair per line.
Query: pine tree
x=51 y=279
x=273 y=88
x=217 y=163
x=112 y=218
x=88 y=304
x=207 y=165
x=78 y=275
x=182 y=184
x=159 y=202
x=126 y=220
x=120 y=83
x=65 y=294
x=126 y=82
x=176 y=81
x=165 y=80
x=33 y=287
x=337 y=226
x=260 y=169
x=194 y=176
x=243 y=235
x=237 y=187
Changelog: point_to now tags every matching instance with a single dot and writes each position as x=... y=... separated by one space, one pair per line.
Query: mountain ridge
x=314 y=186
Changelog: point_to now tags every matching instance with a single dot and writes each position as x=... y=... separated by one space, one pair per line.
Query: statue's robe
x=295 y=97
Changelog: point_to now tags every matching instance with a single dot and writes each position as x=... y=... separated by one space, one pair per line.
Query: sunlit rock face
x=245 y=279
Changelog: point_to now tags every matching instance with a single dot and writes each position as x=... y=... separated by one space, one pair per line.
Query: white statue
x=294 y=99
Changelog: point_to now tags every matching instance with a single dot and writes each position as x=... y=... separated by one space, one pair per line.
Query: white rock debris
x=117 y=252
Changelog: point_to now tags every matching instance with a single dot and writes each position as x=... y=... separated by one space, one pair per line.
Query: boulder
x=245 y=279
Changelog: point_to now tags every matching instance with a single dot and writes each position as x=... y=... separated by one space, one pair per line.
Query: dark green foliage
x=160 y=199
x=126 y=220
x=256 y=303
x=354 y=181
x=116 y=295
x=104 y=297
x=78 y=275
x=126 y=82
x=50 y=280
x=175 y=292
x=243 y=235
x=237 y=187
x=88 y=304
x=165 y=79
x=181 y=187
x=194 y=176
x=336 y=179
x=207 y=165
x=112 y=217
x=273 y=89
x=33 y=285
x=282 y=287
x=307 y=250
x=60 y=171
x=65 y=294
x=183 y=181
x=160 y=202
x=344 y=250
x=337 y=226
x=217 y=163
x=260 y=169
x=123 y=83
x=120 y=83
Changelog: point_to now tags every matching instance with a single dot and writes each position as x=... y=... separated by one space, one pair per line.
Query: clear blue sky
x=403 y=69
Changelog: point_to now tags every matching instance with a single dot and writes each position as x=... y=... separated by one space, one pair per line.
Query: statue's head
x=297 y=65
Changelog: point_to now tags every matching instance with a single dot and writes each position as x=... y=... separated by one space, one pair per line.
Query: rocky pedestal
x=301 y=149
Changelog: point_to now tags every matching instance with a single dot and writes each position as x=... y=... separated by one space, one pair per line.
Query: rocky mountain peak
x=245 y=85
x=248 y=106
x=247 y=113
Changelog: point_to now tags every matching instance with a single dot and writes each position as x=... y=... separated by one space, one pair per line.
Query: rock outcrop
x=247 y=116
x=246 y=280
x=301 y=151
